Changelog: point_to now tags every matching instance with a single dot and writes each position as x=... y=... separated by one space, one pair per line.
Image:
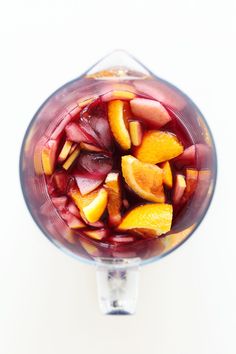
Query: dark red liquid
x=100 y=163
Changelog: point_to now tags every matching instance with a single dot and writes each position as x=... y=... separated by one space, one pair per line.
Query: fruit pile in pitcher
x=119 y=168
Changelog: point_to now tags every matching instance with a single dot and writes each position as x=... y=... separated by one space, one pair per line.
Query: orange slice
x=118 y=95
x=86 y=101
x=158 y=146
x=65 y=151
x=135 y=129
x=80 y=200
x=96 y=208
x=71 y=159
x=155 y=219
x=117 y=124
x=167 y=174
x=145 y=179
x=114 y=197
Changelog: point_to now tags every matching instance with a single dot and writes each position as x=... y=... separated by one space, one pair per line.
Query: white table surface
x=187 y=301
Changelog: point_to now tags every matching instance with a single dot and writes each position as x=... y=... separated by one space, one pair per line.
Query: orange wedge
x=158 y=146
x=118 y=124
x=155 y=219
x=91 y=205
x=135 y=129
x=167 y=174
x=96 y=208
x=114 y=197
x=143 y=178
x=71 y=159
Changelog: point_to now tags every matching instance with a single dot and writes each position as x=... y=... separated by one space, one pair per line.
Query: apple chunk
x=150 y=111
x=179 y=188
x=191 y=183
x=49 y=153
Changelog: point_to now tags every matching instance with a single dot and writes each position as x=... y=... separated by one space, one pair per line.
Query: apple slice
x=60 y=127
x=135 y=130
x=65 y=151
x=97 y=234
x=67 y=164
x=114 y=204
x=83 y=102
x=90 y=147
x=179 y=188
x=72 y=221
x=49 y=153
x=73 y=209
x=150 y=111
x=122 y=239
x=87 y=182
x=59 y=202
x=90 y=248
x=187 y=157
x=191 y=183
x=61 y=180
x=167 y=174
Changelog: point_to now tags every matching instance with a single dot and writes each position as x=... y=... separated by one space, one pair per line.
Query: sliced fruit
x=191 y=183
x=98 y=224
x=74 y=132
x=84 y=102
x=135 y=129
x=73 y=147
x=188 y=156
x=150 y=111
x=65 y=151
x=144 y=179
x=87 y=182
x=82 y=201
x=118 y=95
x=167 y=174
x=61 y=180
x=49 y=152
x=97 y=164
x=97 y=234
x=90 y=147
x=114 y=198
x=122 y=239
x=117 y=124
x=91 y=249
x=155 y=218
x=60 y=202
x=73 y=110
x=72 y=221
x=179 y=188
x=61 y=126
x=73 y=209
x=158 y=146
x=96 y=208
x=71 y=159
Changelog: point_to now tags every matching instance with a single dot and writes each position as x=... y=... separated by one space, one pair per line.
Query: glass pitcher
x=117 y=267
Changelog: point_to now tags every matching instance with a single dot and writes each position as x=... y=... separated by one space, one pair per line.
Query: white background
x=48 y=301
